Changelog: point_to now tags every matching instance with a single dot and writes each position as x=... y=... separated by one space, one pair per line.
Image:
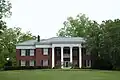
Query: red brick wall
x=26 y=58
x=37 y=57
x=40 y=56
x=85 y=57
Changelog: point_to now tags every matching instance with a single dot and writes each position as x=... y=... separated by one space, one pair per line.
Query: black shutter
x=48 y=62
x=19 y=63
x=42 y=50
x=26 y=52
x=25 y=63
x=48 y=51
x=34 y=63
x=85 y=63
x=28 y=63
x=34 y=52
x=20 y=52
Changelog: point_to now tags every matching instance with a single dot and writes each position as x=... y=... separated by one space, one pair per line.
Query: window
x=45 y=62
x=88 y=63
x=23 y=63
x=58 y=51
x=75 y=52
x=32 y=52
x=23 y=52
x=75 y=62
x=32 y=63
x=45 y=51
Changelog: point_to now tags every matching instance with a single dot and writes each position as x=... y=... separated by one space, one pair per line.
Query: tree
x=75 y=27
x=9 y=38
x=5 y=7
x=102 y=40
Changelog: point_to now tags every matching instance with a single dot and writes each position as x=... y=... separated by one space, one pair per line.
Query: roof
x=52 y=40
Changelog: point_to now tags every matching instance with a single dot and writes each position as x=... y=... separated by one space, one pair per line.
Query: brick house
x=52 y=52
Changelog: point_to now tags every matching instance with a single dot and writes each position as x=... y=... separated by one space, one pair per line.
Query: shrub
x=25 y=67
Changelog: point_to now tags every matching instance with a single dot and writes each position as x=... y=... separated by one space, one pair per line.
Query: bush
x=25 y=67
x=102 y=64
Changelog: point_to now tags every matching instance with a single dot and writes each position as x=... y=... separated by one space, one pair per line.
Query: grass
x=59 y=75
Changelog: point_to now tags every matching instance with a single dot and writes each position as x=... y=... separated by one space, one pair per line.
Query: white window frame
x=23 y=52
x=45 y=62
x=45 y=51
x=32 y=52
x=23 y=63
x=32 y=63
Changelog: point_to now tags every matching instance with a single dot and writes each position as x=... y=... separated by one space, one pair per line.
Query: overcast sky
x=46 y=17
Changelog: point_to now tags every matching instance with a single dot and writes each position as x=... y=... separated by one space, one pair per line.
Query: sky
x=46 y=17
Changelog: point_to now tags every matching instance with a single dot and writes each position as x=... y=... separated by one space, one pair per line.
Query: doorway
x=67 y=63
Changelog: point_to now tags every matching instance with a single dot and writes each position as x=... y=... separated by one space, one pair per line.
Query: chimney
x=38 y=38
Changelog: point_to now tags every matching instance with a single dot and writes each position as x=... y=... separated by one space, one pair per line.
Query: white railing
x=66 y=55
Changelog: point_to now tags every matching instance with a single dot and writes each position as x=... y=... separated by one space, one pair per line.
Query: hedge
x=25 y=67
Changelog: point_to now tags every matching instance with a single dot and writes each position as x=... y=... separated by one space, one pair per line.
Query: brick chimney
x=38 y=38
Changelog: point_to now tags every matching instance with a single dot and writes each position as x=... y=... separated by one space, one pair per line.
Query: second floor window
x=31 y=52
x=23 y=52
x=45 y=51
x=27 y=52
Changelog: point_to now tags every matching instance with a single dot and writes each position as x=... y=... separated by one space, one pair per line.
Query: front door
x=66 y=63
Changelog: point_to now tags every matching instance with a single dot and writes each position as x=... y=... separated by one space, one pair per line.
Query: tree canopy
x=102 y=40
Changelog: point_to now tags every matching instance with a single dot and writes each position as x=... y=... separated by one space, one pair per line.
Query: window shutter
x=26 y=52
x=34 y=52
x=42 y=51
x=48 y=62
x=19 y=62
x=34 y=63
x=20 y=52
x=25 y=63
x=48 y=51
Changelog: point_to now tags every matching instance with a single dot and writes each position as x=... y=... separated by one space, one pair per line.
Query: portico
x=67 y=53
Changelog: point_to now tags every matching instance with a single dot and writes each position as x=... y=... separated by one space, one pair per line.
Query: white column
x=80 y=58
x=61 y=57
x=53 y=58
x=71 y=55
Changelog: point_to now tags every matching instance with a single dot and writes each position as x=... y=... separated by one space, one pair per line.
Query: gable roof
x=53 y=40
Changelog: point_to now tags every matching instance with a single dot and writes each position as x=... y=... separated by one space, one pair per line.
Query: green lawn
x=59 y=75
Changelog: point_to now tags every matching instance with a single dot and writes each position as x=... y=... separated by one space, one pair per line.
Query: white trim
x=71 y=55
x=53 y=62
x=61 y=57
x=43 y=46
x=80 y=58
x=25 y=47
x=66 y=45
